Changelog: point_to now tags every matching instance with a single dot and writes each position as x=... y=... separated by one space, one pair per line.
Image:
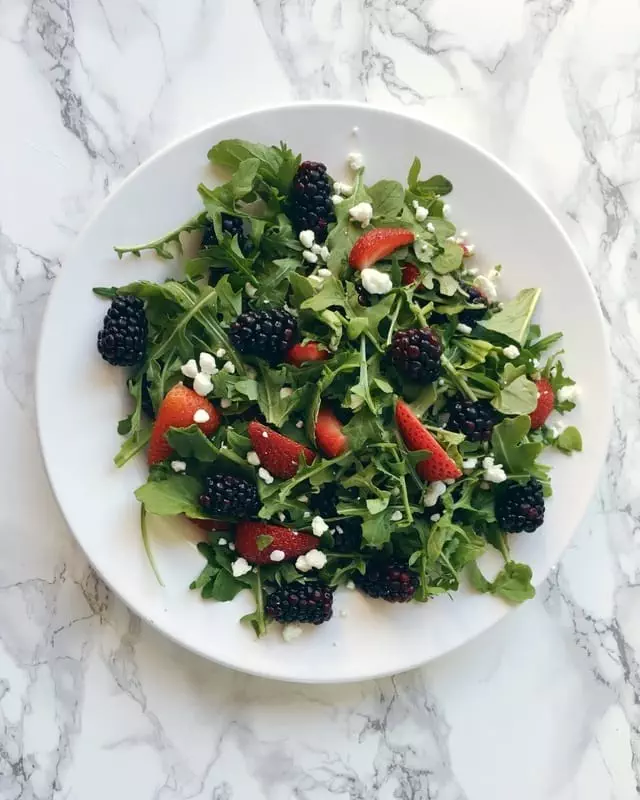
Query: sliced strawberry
x=439 y=466
x=278 y=454
x=329 y=436
x=410 y=274
x=299 y=353
x=176 y=411
x=377 y=244
x=290 y=542
x=546 y=400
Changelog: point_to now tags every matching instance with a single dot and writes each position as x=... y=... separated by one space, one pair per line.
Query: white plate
x=80 y=399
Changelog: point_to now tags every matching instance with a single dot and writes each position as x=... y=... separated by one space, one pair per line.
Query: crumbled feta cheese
x=202 y=384
x=339 y=529
x=469 y=249
x=318 y=526
x=471 y=271
x=315 y=248
x=376 y=282
x=291 y=632
x=355 y=161
x=307 y=238
x=253 y=458
x=336 y=199
x=225 y=402
x=266 y=476
x=302 y=565
x=285 y=392
x=464 y=234
x=350 y=585
x=277 y=555
x=462 y=328
x=569 y=394
x=324 y=253
x=510 y=352
x=222 y=541
x=469 y=463
x=493 y=473
x=435 y=517
x=309 y=257
x=362 y=213
x=232 y=546
x=324 y=273
x=281 y=516
x=229 y=367
x=431 y=227
x=300 y=424
x=179 y=466
x=303 y=498
x=201 y=416
x=421 y=213
x=345 y=189
x=487 y=287
x=449 y=481
x=250 y=289
x=433 y=492
x=221 y=352
x=316 y=559
x=415 y=203
x=190 y=369
x=240 y=567
x=306 y=514
x=494 y=274
x=446 y=210
x=396 y=516
x=556 y=428
x=207 y=363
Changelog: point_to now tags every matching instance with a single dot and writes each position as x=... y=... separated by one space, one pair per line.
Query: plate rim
x=607 y=386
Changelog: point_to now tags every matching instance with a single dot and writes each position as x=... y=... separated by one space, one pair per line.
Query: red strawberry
x=176 y=411
x=329 y=436
x=311 y=351
x=277 y=453
x=546 y=400
x=439 y=466
x=377 y=244
x=410 y=274
x=292 y=543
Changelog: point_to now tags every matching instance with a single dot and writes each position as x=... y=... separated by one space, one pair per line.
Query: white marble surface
x=93 y=704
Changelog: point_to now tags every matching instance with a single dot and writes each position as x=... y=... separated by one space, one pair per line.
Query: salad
x=333 y=393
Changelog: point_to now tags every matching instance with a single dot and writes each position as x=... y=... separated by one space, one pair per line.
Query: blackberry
x=266 y=334
x=310 y=205
x=231 y=226
x=472 y=315
x=347 y=535
x=416 y=354
x=229 y=496
x=323 y=502
x=475 y=420
x=392 y=581
x=364 y=298
x=301 y=602
x=123 y=339
x=520 y=506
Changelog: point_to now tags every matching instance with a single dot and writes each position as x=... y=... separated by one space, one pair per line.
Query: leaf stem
x=147 y=547
x=457 y=379
x=261 y=627
x=160 y=245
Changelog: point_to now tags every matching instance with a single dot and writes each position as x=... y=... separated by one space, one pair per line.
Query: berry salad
x=332 y=392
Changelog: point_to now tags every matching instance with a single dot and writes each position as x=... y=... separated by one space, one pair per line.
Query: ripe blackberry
x=471 y=315
x=416 y=354
x=475 y=420
x=347 y=535
x=229 y=496
x=266 y=334
x=323 y=502
x=392 y=581
x=364 y=298
x=231 y=226
x=123 y=339
x=301 y=602
x=520 y=506
x=310 y=205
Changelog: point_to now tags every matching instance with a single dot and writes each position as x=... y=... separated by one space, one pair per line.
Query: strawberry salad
x=333 y=393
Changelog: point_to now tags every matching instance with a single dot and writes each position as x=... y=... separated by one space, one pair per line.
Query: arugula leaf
x=511 y=447
x=518 y=394
x=160 y=245
x=176 y=494
x=275 y=405
x=449 y=260
x=277 y=166
x=514 y=319
x=191 y=442
x=513 y=583
x=387 y=198
x=331 y=294
x=569 y=440
x=437 y=184
x=377 y=530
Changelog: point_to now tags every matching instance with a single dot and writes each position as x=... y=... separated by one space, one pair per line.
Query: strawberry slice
x=546 y=400
x=410 y=274
x=377 y=244
x=176 y=411
x=277 y=453
x=290 y=542
x=329 y=436
x=299 y=353
x=439 y=466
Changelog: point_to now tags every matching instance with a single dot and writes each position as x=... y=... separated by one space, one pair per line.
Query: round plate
x=80 y=399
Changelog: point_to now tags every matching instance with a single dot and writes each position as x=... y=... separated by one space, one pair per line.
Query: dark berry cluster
x=310 y=203
x=392 y=581
x=520 y=506
x=229 y=496
x=475 y=420
x=416 y=353
x=472 y=315
x=122 y=341
x=265 y=334
x=301 y=602
x=231 y=226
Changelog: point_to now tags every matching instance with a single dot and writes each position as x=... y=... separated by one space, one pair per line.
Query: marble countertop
x=94 y=704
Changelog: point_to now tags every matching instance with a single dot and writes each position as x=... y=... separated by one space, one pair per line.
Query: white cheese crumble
x=314 y=559
x=355 y=161
x=435 y=517
x=179 y=466
x=487 y=287
x=362 y=213
x=431 y=227
x=510 y=352
x=229 y=367
x=306 y=514
x=266 y=476
x=421 y=213
x=225 y=402
x=396 y=516
x=336 y=199
x=277 y=555
x=569 y=394
x=307 y=238
x=207 y=363
x=469 y=463
x=240 y=567
x=300 y=424
x=350 y=585
x=190 y=369
x=493 y=473
x=376 y=282
x=253 y=458
x=250 y=289
x=345 y=189
x=556 y=428
x=433 y=492
x=324 y=252
x=202 y=384
x=291 y=632
x=446 y=210
x=201 y=416
x=318 y=526
x=285 y=392
x=469 y=249
x=309 y=257
x=221 y=352
x=281 y=516
x=303 y=498
x=222 y=541
x=462 y=328
x=324 y=273
x=231 y=546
